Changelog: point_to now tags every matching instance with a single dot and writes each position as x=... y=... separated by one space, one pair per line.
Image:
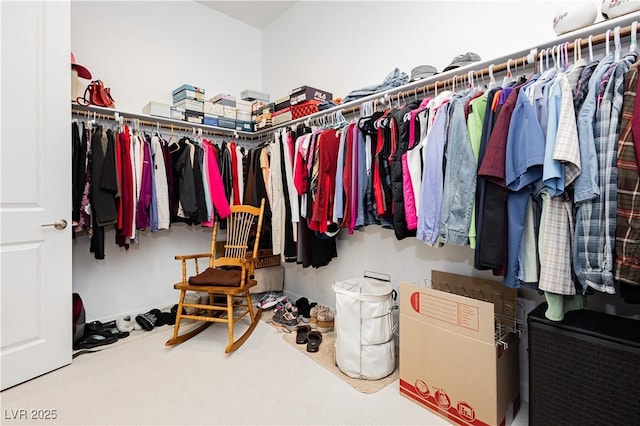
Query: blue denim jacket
x=394 y=79
x=459 y=179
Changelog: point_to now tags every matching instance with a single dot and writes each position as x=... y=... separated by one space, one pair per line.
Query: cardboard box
x=243 y=105
x=210 y=120
x=224 y=99
x=304 y=108
x=229 y=112
x=450 y=362
x=254 y=95
x=306 y=93
x=226 y=123
x=190 y=105
x=213 y=109
x=157 y=109
x=243 y=115
x=266 y=108
x=282 y=103
x=177 y=113
x=282 y=116
x=188 y=94
x=193 y=117
x=245 y=126
x=188 y=87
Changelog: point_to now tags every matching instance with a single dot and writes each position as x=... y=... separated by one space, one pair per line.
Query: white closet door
x=35 y=187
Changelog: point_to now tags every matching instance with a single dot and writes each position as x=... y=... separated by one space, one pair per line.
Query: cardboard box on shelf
x=282 y=103
x=243 y=115
x=450 y=361
x=306 y=93
x=177 y=113
x=193 y=117
x=224 y=99
x=188 y=87
x=245 y=126
x=254 y=95
x=213 y=109
x=226 y=123
x=188 y=94
x=243 y=105
x=157 y=109
x=210 y=120
x=190 y=105
x=303 y=109
x=282 y=116
x=229 y=112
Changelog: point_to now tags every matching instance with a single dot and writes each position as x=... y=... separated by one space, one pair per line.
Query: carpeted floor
x=326 y=358
x=265 y=382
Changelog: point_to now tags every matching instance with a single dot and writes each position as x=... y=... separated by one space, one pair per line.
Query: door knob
x=58 y=224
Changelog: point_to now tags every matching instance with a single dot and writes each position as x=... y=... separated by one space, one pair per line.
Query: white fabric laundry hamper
x=364 y=326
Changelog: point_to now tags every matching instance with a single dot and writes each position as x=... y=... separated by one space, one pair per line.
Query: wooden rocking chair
x=228 y=277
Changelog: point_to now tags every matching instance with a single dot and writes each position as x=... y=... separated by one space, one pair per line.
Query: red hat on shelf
x=82 y=71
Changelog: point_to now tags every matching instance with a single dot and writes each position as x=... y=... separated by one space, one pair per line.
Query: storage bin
x=364 y=326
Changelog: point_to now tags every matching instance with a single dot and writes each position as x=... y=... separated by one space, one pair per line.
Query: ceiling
x=258 y=14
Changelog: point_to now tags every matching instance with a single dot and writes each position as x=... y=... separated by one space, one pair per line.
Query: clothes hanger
x=590 y=48
x=633 y=44
x=508 y=78
x=608 y=35
x=492 y=80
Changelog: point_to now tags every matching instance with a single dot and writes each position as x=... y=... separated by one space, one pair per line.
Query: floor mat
x=326 y=358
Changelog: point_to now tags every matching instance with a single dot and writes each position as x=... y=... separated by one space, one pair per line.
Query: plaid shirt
x=557 y=225
x=596 y=218
x=627 y=266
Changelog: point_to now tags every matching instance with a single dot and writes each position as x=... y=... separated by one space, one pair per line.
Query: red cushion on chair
x=216 y=276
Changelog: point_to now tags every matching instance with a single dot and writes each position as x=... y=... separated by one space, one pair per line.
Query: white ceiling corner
x=258 y=14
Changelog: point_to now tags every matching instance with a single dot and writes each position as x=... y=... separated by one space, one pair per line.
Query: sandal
x=302 y=334
x=314 y=340
x=94 y=340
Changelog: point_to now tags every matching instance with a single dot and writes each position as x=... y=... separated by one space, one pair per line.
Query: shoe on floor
x=313 y=313
x=314 y=339
x=94 y=340
x=126 y=324
x=302 y=334
x=304 y=308
x=270 y=300
x=150 y=319
x=285 y=319
x=325 y=321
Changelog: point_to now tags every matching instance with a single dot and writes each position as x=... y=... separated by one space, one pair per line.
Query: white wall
x=143 y=50
x=342 y=46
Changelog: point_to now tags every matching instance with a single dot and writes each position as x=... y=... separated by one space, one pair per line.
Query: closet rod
x=481 y=68
x=165 y=123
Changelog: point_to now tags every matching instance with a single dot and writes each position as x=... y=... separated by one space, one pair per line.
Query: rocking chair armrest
x=250 y=266
x=192 y=256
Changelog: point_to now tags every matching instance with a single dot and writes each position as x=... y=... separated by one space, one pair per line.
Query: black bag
x=79 y=318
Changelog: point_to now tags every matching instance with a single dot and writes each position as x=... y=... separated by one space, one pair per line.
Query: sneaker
x=270 y=300
x=285 y=319
x=150 y=319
